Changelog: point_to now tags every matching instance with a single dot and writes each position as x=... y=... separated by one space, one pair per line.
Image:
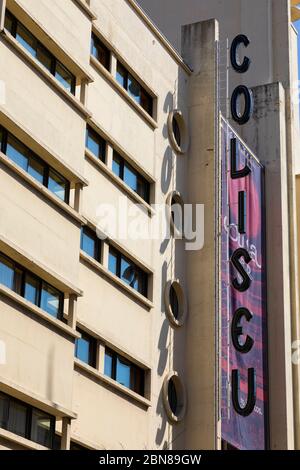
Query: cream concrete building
x=111 y=342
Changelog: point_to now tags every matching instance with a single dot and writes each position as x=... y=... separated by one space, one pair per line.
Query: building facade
x=110 y=334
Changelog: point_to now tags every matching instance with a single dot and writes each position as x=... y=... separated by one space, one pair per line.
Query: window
x=128 y=271
x=134 y=88
x=124 y=372
x=26 y=421
x=95 y=144
x=131 y=177
x=34 y=166
x=31 y=287
x=174 y=302
x=85 y=349
x=37 y=50
x=100 y=51
x=90 y=243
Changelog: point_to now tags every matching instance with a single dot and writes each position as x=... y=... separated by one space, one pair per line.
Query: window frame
x=93 y=343
x=98 y=243
x=133 y=368
x=141 y=179
x=53 y=60
x=28 y=422
x=21 y=290
x=143 y=93
x=90 y=132
x=30 y=154
x=119 y=257
x=98 y=43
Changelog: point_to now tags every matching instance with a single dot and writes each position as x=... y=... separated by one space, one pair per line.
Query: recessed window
x=128 y=271
x=85 y=349
x=90 y=243
x=178 y=132
x=22 y=156
x=176 y=214
x=131 y=177
x=175 y=303
x=174 y=397
x=95 y=143
x=124 y=372
x=100 y=51
x=26 y=421
x=134 y=88
x=31 y=287
x=37 y=50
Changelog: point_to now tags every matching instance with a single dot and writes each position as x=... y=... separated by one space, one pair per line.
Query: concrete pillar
x=199 y=51
x=84 y=91
x=78 y=197
x=267 y=132
x=2 y=13
x=109 y=156
x=72 y=311
x=66 y=434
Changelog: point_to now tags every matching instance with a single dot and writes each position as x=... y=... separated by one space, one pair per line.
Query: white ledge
x=19 y=255
x=86 y=8
x=116 y=280
x=21 y=441
x=73 y=101
x=112 y=383
x=100 y=68
x=67 y=330
x=115 y=179
x=31 y=398
x=63 y=206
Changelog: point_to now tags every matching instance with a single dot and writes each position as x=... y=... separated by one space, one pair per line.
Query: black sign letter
x=251 y=400
x=244 y=66
x=235 y=259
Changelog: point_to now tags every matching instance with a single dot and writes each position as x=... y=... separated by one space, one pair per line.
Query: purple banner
x=243 y=316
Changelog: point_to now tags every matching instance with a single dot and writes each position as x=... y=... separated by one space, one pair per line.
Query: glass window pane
x=134 y=89
x=25 y=38
x=113 y=263
x=50 y=298
x=172 y=396
x=17 y=418
x=96 y=144
x=17 y=152
x=129 y=273
x=8 y=22
x=89 y=243
x=57 y=184
x=44 y=57
x=108 y=365
x=31 y=289
x=6 y=273
x=130 y=178
x=36 y=169
x=146 y=102
x=117 y=166
x=63 y=76
x=4 y=405
x=121 y=75
x=83 y=350
x=100 y=51
x=123 y=372
x=143 y=188
x=41 y=430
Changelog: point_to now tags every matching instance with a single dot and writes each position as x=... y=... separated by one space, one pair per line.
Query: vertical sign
x=243 y=322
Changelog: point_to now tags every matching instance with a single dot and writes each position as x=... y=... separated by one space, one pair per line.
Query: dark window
x=95 y=143
x=26 y=421
x=172 y=396
x=34 y=166
x=128 y=271
x=31 y=287
x=174 y=302
x=73 y=445
x=176 y=131
x=131 y=177
x=134 y=88
x=124 y=372
x=90 y=243
x=85 y=349
x=37 y=50
x=100 y=51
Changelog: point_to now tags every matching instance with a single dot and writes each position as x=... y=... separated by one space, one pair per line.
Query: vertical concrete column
x=2 y=13
x=199 y=51
x=66 y=434
x=113 y=65
x=78 y=197
x=267 y=132
x=109 y=156
x=100 y=357
x=84 y=91
x=72 y=313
